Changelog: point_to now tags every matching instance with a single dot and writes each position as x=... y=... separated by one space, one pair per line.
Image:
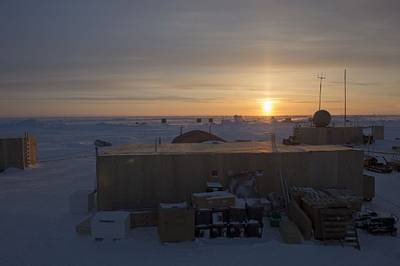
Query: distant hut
x=19 y=152
x=197 y=136
x=238 y=119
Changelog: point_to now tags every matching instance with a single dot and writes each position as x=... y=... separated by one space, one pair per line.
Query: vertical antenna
x=320 y=77
x=345 y=97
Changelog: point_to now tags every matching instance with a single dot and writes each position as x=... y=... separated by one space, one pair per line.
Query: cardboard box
x=216 y=199
x=143 y=218
x=110 y=225
x=175 y=223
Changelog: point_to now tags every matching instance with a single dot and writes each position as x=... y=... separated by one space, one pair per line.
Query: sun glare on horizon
x=267 y=107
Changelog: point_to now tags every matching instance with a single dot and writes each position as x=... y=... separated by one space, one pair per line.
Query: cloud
x=354 y=83
x=120 y=99
x=212 y=33
x=186 y=50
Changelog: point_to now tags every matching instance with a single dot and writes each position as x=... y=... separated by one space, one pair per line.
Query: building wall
x=328 y=135
x=143 y=181
x=12 y=153
x=378 y=132
x=18 y=152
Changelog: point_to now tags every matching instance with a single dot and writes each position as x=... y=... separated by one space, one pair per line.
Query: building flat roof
x=230 y=147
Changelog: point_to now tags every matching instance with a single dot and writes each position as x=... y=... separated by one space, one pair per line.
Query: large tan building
x=142 y=176
x=328 y=135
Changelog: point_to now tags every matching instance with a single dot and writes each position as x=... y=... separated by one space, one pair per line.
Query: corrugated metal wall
x=143 y=181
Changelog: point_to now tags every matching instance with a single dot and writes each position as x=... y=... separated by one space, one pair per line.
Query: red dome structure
x=197 y=136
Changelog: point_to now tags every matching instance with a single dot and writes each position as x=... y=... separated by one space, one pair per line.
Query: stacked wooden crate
x=330 y=215
x=354 y=201
x=334 y=222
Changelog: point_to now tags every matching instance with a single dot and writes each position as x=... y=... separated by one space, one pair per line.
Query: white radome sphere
x=322 y=118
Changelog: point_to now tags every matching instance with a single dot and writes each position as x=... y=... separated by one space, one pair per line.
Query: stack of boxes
x=211 y=211
x=213 y=214
x=219 y=214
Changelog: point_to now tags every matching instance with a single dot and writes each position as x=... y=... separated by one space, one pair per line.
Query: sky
x=209 y=57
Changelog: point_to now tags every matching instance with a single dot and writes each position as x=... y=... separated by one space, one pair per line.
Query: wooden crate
x=210 y=200
x=321 y=205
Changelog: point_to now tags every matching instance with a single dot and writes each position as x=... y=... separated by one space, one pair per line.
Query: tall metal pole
x=345 y=97
x=320 y=90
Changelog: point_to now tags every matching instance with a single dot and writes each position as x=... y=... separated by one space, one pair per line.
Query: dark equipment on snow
x=375 y=224
x=102 y=143
x=372 y=164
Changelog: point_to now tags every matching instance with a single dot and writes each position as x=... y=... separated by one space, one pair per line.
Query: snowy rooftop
x=231 y=147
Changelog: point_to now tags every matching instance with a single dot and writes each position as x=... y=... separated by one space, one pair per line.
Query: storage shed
x=328 y=135
x=378 y=132
x=141 y=176
x=18 y=152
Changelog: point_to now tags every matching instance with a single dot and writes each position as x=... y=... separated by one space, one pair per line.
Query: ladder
x=27 y=151
x=351 y=237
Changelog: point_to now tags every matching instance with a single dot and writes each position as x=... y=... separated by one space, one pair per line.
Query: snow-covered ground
x=36 y=227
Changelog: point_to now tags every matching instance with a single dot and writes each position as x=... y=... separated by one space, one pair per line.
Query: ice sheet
x=36 y=227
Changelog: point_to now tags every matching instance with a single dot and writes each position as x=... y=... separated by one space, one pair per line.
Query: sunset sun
x=267 y=106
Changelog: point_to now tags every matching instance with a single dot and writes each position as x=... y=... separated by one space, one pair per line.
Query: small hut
x=197 y=136
x=18 y=152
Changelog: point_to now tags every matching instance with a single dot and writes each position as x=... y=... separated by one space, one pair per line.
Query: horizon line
x=198 y=115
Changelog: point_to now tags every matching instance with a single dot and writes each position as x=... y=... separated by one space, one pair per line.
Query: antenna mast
x=320 y=77
x=345 y=97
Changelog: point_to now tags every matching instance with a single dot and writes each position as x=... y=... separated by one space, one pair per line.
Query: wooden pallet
x=337 y=226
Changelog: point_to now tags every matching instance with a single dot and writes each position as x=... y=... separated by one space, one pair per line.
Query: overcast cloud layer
x=72 y=57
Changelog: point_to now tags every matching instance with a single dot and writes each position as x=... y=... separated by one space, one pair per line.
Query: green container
x=276 y=215
x=274 y=222
x=275 y=219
